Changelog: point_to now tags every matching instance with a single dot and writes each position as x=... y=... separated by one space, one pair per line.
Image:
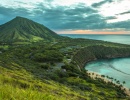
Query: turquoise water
x=124 y=39
x=117 y=68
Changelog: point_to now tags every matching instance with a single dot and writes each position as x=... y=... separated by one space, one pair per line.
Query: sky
x=72 y=16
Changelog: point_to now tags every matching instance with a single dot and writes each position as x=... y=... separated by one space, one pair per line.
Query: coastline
x=95 y=75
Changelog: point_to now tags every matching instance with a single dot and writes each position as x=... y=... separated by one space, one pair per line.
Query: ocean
x=124 y=39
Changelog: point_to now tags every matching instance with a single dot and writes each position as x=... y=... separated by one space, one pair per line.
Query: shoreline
x=95 y=75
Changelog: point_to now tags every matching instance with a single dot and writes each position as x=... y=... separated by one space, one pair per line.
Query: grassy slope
x=16 y=83
x=21 y=85
x=20 y=75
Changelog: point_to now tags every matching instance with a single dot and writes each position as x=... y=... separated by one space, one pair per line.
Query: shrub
x=45 y=66
x=101 y=93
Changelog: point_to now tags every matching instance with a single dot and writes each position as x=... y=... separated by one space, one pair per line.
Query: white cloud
x=108 y=9
x=72 y=2
x=17 y=3
x=114 y=9
x=120 y=18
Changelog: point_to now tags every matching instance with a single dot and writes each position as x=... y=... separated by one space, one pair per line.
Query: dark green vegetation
x=95 y=52
x=46 y=70
x=25 y=30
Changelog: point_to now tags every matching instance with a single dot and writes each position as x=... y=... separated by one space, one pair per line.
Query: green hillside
x=32 y=71
x=96 y=52
x=49 y=70
x=25 y=30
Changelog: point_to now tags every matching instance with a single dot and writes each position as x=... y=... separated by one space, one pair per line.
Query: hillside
x=34 y=71
x=96 y=52
x=25 y=30
x=47 y=70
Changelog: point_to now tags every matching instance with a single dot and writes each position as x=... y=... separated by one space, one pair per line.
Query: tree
x=123 y=82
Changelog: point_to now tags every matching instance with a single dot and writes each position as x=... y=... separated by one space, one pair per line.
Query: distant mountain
x=22 y=29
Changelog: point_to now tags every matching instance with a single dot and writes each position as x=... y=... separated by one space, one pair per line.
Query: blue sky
x=74 y=16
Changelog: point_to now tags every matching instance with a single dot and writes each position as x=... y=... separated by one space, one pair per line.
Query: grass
x=22 y=79
x=21 y=85
x=9 y=92
x=17 y=83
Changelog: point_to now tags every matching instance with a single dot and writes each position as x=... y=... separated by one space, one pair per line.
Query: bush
x=54 y=77
x=71 y=68
x=101 y=93
x=61 y=74
x=48 y=56
x=85 y=87
x=45 y=66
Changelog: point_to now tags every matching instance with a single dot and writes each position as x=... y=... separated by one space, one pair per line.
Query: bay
x=118 y=68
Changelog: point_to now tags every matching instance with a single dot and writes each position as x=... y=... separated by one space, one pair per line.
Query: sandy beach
x=95 y=75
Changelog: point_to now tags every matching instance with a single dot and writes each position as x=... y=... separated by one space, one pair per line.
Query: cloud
x=122 y=24
x=75 y=17
x=7 y=14
x=62 y=17
x=94 y=21
x=127 y=12
x=111 y=17
x=96 y=5
x=19 y=2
